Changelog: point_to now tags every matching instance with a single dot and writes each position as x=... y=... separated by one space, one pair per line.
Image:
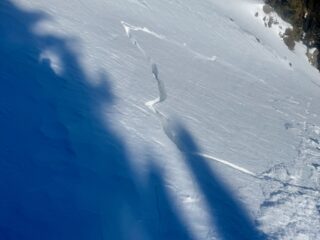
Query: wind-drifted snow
x=207 y=93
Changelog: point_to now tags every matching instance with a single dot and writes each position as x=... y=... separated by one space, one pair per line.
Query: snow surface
x=147 y=119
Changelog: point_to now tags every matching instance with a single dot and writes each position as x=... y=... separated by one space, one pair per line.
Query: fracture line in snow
x=262 y=176
x=241 y=169
x=268 y=178
x=165 y=121
x=128 y=28
x=155 y=72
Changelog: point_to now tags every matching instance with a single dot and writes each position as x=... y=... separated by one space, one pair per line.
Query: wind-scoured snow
x=147 y=119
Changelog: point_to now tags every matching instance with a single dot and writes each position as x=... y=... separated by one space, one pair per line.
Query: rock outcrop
x=304 y=15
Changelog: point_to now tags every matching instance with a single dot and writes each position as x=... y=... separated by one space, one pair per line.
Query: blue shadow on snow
x=64 y=174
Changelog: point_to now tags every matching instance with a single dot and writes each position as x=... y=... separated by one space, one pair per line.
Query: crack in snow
x=165 y=121
x=128 y=28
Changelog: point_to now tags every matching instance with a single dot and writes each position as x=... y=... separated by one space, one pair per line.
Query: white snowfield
x=201 y=80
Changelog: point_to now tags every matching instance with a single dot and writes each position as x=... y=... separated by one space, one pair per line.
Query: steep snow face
x=202 y=90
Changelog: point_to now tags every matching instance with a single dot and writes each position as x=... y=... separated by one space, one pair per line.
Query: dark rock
x=304 y=15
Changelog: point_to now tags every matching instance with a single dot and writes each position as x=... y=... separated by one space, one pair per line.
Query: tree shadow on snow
x=226 y=213
x=64 y=174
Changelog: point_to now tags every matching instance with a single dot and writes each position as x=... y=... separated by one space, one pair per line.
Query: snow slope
x=146 y=119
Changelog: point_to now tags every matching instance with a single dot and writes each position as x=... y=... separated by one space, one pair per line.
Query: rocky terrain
x=304 y=15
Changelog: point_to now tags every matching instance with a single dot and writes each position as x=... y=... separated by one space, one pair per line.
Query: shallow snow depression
x=146 y=119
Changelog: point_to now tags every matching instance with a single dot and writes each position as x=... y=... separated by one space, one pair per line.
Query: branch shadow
x=226 y=213
x=64 y=173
